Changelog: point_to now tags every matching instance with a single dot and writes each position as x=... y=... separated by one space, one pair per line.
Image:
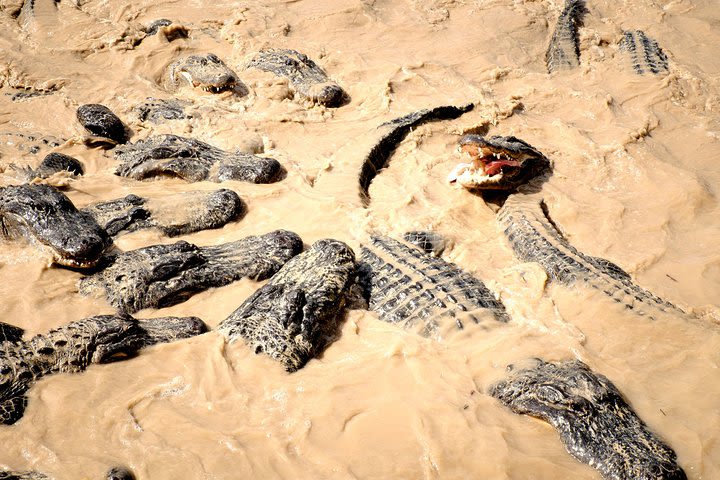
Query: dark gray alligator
x=413 y=289
x=498 y=163
x=74 y=347
x=563 y=52
x=205 y=72
x=50 y=165
x=46 y=217
x=163 y=275
x=308 y=80
x=116 y=473
x=394 y=132
x=194 y=161
x=158 y=110
x=101 y=121
x=30 y=142
x=174 y=214
x=644 y=52
x=595 y=423
x=294 y=315
x=534 y=237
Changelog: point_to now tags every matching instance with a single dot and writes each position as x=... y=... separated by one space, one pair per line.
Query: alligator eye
x=550 y=394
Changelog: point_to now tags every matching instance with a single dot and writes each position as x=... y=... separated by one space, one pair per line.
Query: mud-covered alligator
x=173 y=214
x=595 y=423
x=74 y=347
x=293 y=316
x=205 y=72
x=163 y=275
x=304 y=75
x=46 y=217
x=193 y=160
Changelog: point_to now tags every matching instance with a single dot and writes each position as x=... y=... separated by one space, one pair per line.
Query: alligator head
x=206 y=72
x=595 y=423
x=44 y=215
x=497 y=163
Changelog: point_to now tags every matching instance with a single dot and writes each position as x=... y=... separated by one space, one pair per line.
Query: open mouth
x=214 y=89
x=487 y=165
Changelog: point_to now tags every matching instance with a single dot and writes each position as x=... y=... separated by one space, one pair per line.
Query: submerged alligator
x=205 y=72
x=101 y=121
x=174 y=214
x=293 y=316
x=163 y=275
x=50 y=165
x=535 y=238
x=563 y=52
x=644 y=52
x=46 y=217
x=74 y=347
x=409 y=287
x=308 y=80
x=595 y=423
x=158 y=110
x=194 y=161
x=115 y=473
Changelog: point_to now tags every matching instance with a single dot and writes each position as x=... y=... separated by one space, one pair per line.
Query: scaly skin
x=644 y=52
x=205 y=72
x=394 y=132
x=158 y=110
x=193 y=160
x=534 y=238
x=594 y=422
x=163 y=275
x=498 y=163
x=410 y=288
x=295 y=314
x=564 y=50
x=44 y=215
x=309 y=80
x=74 y=347
x=174 y=214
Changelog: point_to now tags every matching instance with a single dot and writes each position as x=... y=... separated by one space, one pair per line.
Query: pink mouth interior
x=494 y=166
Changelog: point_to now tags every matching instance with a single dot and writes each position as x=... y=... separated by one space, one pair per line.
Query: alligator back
x=418 y=291
x=564 y=50
x=644 y=52
x=535 y=238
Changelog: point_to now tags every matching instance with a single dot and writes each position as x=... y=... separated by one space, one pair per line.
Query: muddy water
x=635 y=181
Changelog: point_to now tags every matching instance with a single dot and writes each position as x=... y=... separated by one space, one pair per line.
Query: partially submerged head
x=206 y=72
x=46 y=216
x=497 y=163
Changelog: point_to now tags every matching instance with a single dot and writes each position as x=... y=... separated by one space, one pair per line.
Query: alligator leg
x=535 y=238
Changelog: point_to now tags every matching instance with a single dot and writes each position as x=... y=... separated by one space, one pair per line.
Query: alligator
x=304 y=75
x=534 y=237
x=194 y=161
x=429 y=242
x=406 y=286
x=115 y=473
x=47 y=218
x=174 y=214
x=594 y=421
x=563 y=52
x=73 y=347
x=293 y=316
x=394 y=132
x=102 y=122
x=498 y=163
x=205 y=72
x=157 y=110
x=163 y=275
x=31 y=142
x=644 y=52
x=53 y=163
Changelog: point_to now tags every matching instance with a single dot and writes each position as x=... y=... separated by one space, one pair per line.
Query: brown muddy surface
x=636 y=180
